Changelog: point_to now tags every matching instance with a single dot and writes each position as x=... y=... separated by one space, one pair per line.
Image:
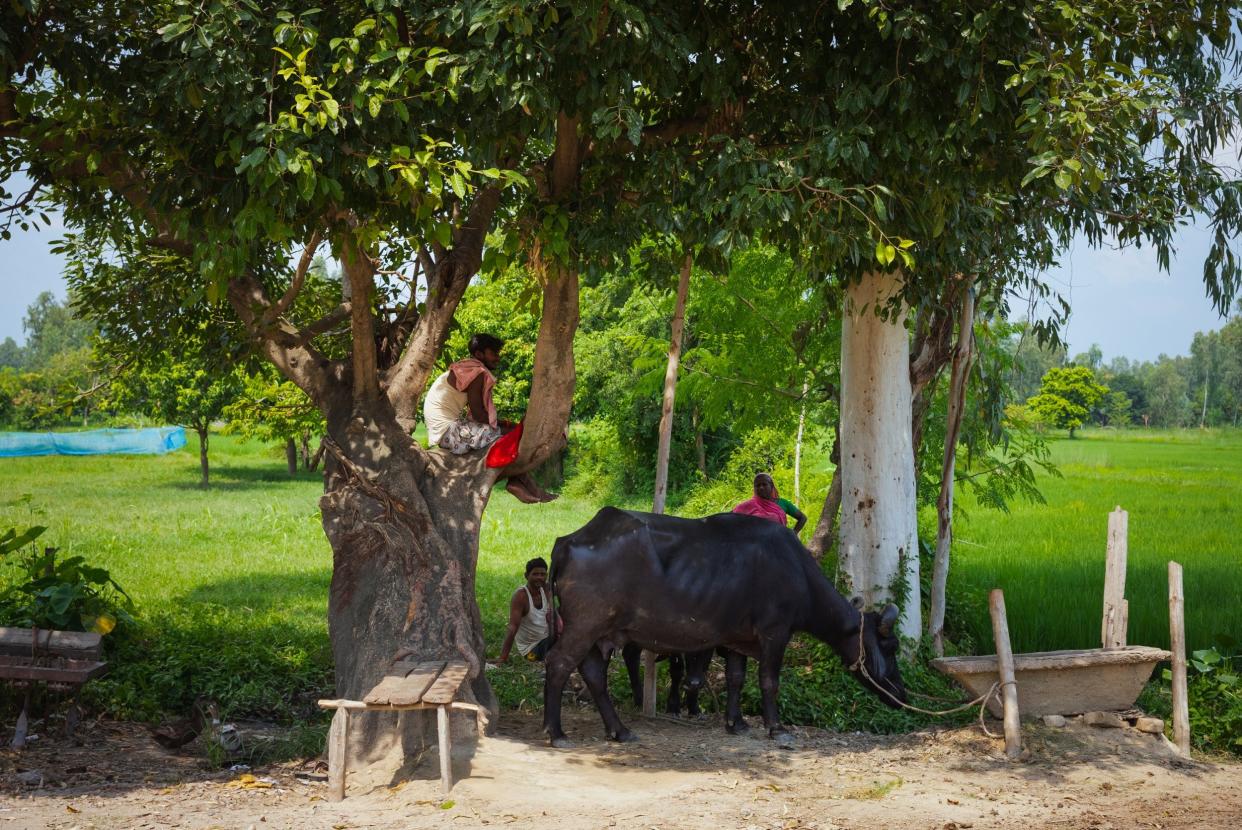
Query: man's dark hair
x=479 y=342
x=537 y=562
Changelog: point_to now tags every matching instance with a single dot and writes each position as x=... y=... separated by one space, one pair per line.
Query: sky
x=1120 y=299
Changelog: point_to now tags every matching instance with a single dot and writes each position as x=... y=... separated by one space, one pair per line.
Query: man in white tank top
x=531 y=615
x=461 y=415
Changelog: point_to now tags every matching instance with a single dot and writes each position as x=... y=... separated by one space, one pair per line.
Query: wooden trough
x=1062 y=682
x=1106 y=679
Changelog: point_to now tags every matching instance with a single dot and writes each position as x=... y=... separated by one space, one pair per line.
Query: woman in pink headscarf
x=767 y=504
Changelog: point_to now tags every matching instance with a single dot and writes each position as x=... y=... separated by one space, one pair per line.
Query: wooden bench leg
x=338 y=744
x=446 y=749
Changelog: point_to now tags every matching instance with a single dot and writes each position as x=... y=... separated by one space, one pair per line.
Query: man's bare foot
x=518 y=489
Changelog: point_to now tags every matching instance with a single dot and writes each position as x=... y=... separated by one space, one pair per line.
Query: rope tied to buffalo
x=860 y=666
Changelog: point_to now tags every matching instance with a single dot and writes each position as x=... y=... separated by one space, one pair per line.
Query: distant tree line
x=1202 y=389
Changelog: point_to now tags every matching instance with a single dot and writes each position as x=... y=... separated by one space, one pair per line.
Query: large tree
x=236 y=139
x=903 y=147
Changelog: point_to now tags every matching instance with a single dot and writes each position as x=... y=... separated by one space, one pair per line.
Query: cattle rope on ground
x=860 y=666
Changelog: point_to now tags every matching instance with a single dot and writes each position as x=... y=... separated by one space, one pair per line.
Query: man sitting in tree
x=461 y=416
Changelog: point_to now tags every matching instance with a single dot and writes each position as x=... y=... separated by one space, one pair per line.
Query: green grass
x=1183 y=493
x=231 y=583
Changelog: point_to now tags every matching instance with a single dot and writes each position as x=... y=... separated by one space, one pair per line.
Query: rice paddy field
x=237 y=575
x=1183 y=493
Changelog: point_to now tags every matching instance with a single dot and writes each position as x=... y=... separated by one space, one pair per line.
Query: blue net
x=92 y=442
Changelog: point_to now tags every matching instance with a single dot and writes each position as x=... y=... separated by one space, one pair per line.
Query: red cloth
x=763 y=508
x=505 y=451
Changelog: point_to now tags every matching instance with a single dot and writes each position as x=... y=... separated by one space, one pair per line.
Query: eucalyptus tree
x=895 y=148
x=420 y=144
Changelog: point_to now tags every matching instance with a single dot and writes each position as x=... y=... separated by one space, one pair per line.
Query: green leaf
x=1064 y=178
x=12 y=540
x=364 y=26
x=252 y=158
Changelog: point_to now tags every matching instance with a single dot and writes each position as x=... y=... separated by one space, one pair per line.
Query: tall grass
x=1183 y=493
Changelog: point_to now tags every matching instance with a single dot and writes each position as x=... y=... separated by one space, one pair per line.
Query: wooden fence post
x=1004 y=661
x=1113 y=627
x=649 y=683
x=1177 y=645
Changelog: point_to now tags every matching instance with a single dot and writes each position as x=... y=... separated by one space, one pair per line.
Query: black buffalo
x=686 y=585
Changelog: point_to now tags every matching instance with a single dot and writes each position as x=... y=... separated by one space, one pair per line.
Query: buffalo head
x=880 y=645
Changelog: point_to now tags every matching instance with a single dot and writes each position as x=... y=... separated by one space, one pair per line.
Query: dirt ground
x=679 y=775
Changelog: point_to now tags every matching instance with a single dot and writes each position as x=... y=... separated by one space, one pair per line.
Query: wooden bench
x=60 y=659
x=408 y=685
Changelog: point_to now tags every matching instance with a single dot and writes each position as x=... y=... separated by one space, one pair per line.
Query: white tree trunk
x=670 y=389
x=878 y=525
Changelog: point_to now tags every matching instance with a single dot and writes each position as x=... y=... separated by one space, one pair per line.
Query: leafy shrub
x=252 y=669
x=1214 y=696
x=43 y=591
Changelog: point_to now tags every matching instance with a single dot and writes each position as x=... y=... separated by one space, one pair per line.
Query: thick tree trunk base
x=404 y=528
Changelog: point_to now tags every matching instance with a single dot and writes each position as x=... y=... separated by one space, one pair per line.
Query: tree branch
x=361 y=274
x=552 y=382
x=286 y=347
x=447 y=278
x=295 y=286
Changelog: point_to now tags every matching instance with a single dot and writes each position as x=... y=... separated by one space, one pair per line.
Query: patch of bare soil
x=678 y=775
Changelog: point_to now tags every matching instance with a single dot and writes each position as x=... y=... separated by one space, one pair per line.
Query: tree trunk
x=944 y=501
x=825 y=528
x=291 y=456
x=404 y=529
x=878 y=556
x=1203 y=415
x=202 y=455
x=798 y=446
x=304 y=445
x=670 y=388
x=700 y=452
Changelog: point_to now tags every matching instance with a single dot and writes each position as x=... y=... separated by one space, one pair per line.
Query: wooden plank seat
x=60 y=659
x=407 y=685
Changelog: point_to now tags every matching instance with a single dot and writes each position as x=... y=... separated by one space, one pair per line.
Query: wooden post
x=338 y=743
x=1113 y=627
x=446 y=749
x=1177 y=645
x=664 y=445
x=649 y=683
x=1004 y=661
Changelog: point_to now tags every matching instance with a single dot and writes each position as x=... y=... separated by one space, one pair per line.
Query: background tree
x=276 y=411
x=189 y=393
x=52 y=328
x=1167 y=392
x=12 y=356
x=1067 y=396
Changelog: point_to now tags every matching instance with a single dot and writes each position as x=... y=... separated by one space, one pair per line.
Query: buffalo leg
x=697 y=664
x=771 y=655
x=676 y=674
x=559 y=663
x=735 y=676
x=594 y=670
x=631 y=655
